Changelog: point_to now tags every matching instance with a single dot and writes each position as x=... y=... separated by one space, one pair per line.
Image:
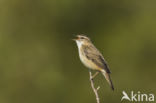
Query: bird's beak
x=77 y=38
x=74 y=39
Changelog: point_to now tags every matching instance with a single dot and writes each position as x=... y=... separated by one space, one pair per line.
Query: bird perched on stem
x=92 y=58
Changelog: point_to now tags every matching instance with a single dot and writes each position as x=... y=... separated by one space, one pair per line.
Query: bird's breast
x=88 y=63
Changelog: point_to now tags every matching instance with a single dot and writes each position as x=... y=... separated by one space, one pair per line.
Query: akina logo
x=137 y=96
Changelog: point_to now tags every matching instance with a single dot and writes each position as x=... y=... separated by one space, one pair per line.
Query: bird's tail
x=107 y=76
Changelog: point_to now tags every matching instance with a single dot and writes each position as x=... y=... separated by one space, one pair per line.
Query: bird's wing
x=95 y=56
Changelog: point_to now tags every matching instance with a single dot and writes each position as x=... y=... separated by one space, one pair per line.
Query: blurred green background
x=39 y=62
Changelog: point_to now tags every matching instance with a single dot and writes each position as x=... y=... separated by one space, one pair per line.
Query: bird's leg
x=95 y=75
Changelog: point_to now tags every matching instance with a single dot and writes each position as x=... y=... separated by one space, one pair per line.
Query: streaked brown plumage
x=92 y=58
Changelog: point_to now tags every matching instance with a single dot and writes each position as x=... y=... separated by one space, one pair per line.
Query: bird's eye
x=82 y=38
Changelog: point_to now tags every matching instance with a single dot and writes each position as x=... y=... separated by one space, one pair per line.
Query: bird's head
x=82 y=39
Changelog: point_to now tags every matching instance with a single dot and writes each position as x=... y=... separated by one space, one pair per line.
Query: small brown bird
x=92 y=58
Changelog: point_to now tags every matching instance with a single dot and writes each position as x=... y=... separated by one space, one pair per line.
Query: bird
x=92 y=58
